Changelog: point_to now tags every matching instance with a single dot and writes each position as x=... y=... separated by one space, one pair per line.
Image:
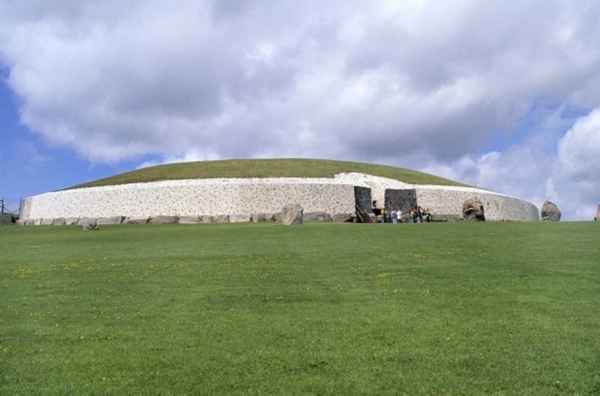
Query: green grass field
x=289 y=167
x=503 y=308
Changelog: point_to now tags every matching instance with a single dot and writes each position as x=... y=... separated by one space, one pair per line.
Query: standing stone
x=292 y=214
x=473 y=210
x=362 y=203
x=597 y=218
x=550 y=212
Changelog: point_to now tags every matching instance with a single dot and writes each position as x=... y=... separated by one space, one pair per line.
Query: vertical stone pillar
x=362 y=200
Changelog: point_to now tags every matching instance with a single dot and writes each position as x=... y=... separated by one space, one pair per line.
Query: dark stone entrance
x=362 y=201
x=404 y=200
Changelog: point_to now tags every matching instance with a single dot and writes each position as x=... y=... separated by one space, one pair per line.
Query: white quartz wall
x=189 y=198
x=449 y=201
x=244 y=197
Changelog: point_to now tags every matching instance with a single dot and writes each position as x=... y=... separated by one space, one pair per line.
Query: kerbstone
x=164 y=220
x=240 y=218
x=89 y=224
x=114 y=220
x=473 y=210
x=136 y=220
x=190 y=220
x=318 y=217
x=550 y=212
x=292 y=215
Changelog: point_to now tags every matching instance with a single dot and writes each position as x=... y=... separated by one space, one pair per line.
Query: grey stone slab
x=190 y=220
x=164 y=220
x=240 y=218
x=59 y=222
x=318 y=217
x=136 y=220
x=292 y=215
x=115 y=220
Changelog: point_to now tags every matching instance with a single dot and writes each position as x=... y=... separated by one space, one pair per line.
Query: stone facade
x=449 y=201
x=241 y=200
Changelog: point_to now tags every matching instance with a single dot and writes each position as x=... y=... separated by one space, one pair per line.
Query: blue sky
x=29 y=166
x=504 y=96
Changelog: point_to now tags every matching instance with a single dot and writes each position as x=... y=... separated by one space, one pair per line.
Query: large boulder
x=292 y=214
x=550 y=212
x=89 y=224
x=473 y=210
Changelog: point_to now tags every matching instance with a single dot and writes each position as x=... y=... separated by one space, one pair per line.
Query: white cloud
x=436 y=82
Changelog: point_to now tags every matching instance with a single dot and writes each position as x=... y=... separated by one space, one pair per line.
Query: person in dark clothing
x=375 y=209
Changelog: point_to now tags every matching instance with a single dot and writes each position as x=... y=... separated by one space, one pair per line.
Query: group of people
x=420 y=215
x=415 y=215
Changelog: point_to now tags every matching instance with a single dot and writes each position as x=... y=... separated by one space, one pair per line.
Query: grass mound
x=265 y=168
x=498 y=308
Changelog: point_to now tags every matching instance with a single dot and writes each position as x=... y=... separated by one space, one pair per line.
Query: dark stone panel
x=404 y=200
x=362 y=200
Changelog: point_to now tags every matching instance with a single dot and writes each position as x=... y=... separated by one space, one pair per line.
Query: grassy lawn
x=500 y=308
x=289 y=167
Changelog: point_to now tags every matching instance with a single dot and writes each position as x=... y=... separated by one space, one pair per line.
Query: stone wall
x=191 y=198
x=449 y=200
x=244 y=198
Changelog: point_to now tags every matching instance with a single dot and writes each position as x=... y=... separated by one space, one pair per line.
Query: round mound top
x=262 y=168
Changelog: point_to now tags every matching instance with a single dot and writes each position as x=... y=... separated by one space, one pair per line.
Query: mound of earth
x=263 y=168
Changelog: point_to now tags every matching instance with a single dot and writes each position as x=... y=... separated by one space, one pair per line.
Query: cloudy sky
x=504 y=95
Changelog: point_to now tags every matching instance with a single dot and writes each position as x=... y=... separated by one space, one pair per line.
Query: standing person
x=394 y=216
x=399 y=215
x=428 y=218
